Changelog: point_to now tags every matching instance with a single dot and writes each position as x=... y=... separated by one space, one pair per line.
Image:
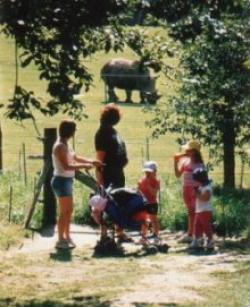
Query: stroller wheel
x=151 y=250
x=163 y=248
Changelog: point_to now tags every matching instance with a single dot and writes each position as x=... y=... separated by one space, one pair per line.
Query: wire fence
x=24 y=158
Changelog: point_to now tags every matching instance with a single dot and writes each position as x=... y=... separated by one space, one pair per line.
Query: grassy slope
x=134 y=132
x=131 y=127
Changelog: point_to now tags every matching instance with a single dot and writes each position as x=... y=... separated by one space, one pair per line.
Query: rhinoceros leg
x=128 y=96
x=111 y=95
x=143 y=97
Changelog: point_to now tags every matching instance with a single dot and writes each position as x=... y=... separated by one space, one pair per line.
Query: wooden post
x=49 y=212
x=20 y=164
x=1 y=150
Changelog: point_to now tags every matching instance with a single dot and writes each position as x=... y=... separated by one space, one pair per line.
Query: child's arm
x=178 y=164
x=204 y=196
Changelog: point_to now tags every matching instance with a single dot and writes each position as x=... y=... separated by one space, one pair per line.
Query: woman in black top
x=110 y=149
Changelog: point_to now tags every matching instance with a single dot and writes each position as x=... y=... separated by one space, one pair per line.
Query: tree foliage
x=57 y=36
x=213 y=100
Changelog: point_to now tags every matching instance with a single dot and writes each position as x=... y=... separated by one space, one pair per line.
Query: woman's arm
x=100 y=156
x=177 y=171
x=81 y=159
x=61 y=153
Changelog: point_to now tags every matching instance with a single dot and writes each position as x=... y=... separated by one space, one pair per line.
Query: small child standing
x=203 y=210
x=149 y=186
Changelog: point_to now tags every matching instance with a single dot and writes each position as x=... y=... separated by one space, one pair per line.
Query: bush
x=231 y=207
x=21 y=197
x=172 y=213
x=231 y=211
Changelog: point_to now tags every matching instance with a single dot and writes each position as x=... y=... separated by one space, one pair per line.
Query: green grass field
x=132 y=126
x=87 y=273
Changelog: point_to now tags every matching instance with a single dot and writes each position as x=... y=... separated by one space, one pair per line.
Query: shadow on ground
x=158 y=305
x=63 y=255
x=85 y=301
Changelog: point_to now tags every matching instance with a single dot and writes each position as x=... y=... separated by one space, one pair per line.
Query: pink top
x=186 y=167
x=143 y=185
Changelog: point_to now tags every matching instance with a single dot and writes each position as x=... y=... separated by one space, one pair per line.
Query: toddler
x=149 y=186
x=203 y=209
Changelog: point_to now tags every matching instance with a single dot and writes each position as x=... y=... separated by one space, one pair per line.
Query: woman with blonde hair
x=185 y=163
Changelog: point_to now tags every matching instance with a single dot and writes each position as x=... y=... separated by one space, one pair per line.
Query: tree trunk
x=228 y=148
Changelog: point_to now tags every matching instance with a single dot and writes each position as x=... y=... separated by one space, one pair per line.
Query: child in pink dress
x=149 y=186
x=184 y=164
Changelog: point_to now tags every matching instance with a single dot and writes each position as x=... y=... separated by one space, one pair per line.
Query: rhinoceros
x=129 y=75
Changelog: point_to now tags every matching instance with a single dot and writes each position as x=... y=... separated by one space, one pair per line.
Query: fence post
x=49 y=209
x=1 y=150
x=20 y=164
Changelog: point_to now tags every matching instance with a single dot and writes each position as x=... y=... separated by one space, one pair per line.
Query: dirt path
x=80 y=279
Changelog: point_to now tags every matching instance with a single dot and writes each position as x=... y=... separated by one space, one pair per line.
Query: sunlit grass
x=132 y=126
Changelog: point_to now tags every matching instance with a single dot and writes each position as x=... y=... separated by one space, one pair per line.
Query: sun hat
x=97 y=203
x=191 y=145
x=150 y=166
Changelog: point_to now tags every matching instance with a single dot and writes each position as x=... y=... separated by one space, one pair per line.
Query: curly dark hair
x=201 y=175
x=110 y=115
x=67 y=128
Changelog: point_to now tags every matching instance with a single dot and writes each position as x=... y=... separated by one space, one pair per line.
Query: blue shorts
x=62 y=186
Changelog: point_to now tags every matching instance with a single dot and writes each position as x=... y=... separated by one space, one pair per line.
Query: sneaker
x=200 y=242
x=62 y=244
x=196 y=243
x=210 y=244
x=124 y=239
x=156 y=240
x=185 y=239
x=143 y=241
x=71 y=243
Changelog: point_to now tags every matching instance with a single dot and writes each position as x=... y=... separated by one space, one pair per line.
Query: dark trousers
x=114 y=176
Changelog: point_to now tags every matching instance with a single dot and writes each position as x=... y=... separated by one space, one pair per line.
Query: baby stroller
x=124 y=207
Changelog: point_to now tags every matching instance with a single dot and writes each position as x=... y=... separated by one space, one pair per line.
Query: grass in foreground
x=232 y=289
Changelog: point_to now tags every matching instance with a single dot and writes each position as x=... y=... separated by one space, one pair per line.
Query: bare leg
x=66 y=208
x=144 y=229
x=155 y=224
x=119 y=231
x=104 y=231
